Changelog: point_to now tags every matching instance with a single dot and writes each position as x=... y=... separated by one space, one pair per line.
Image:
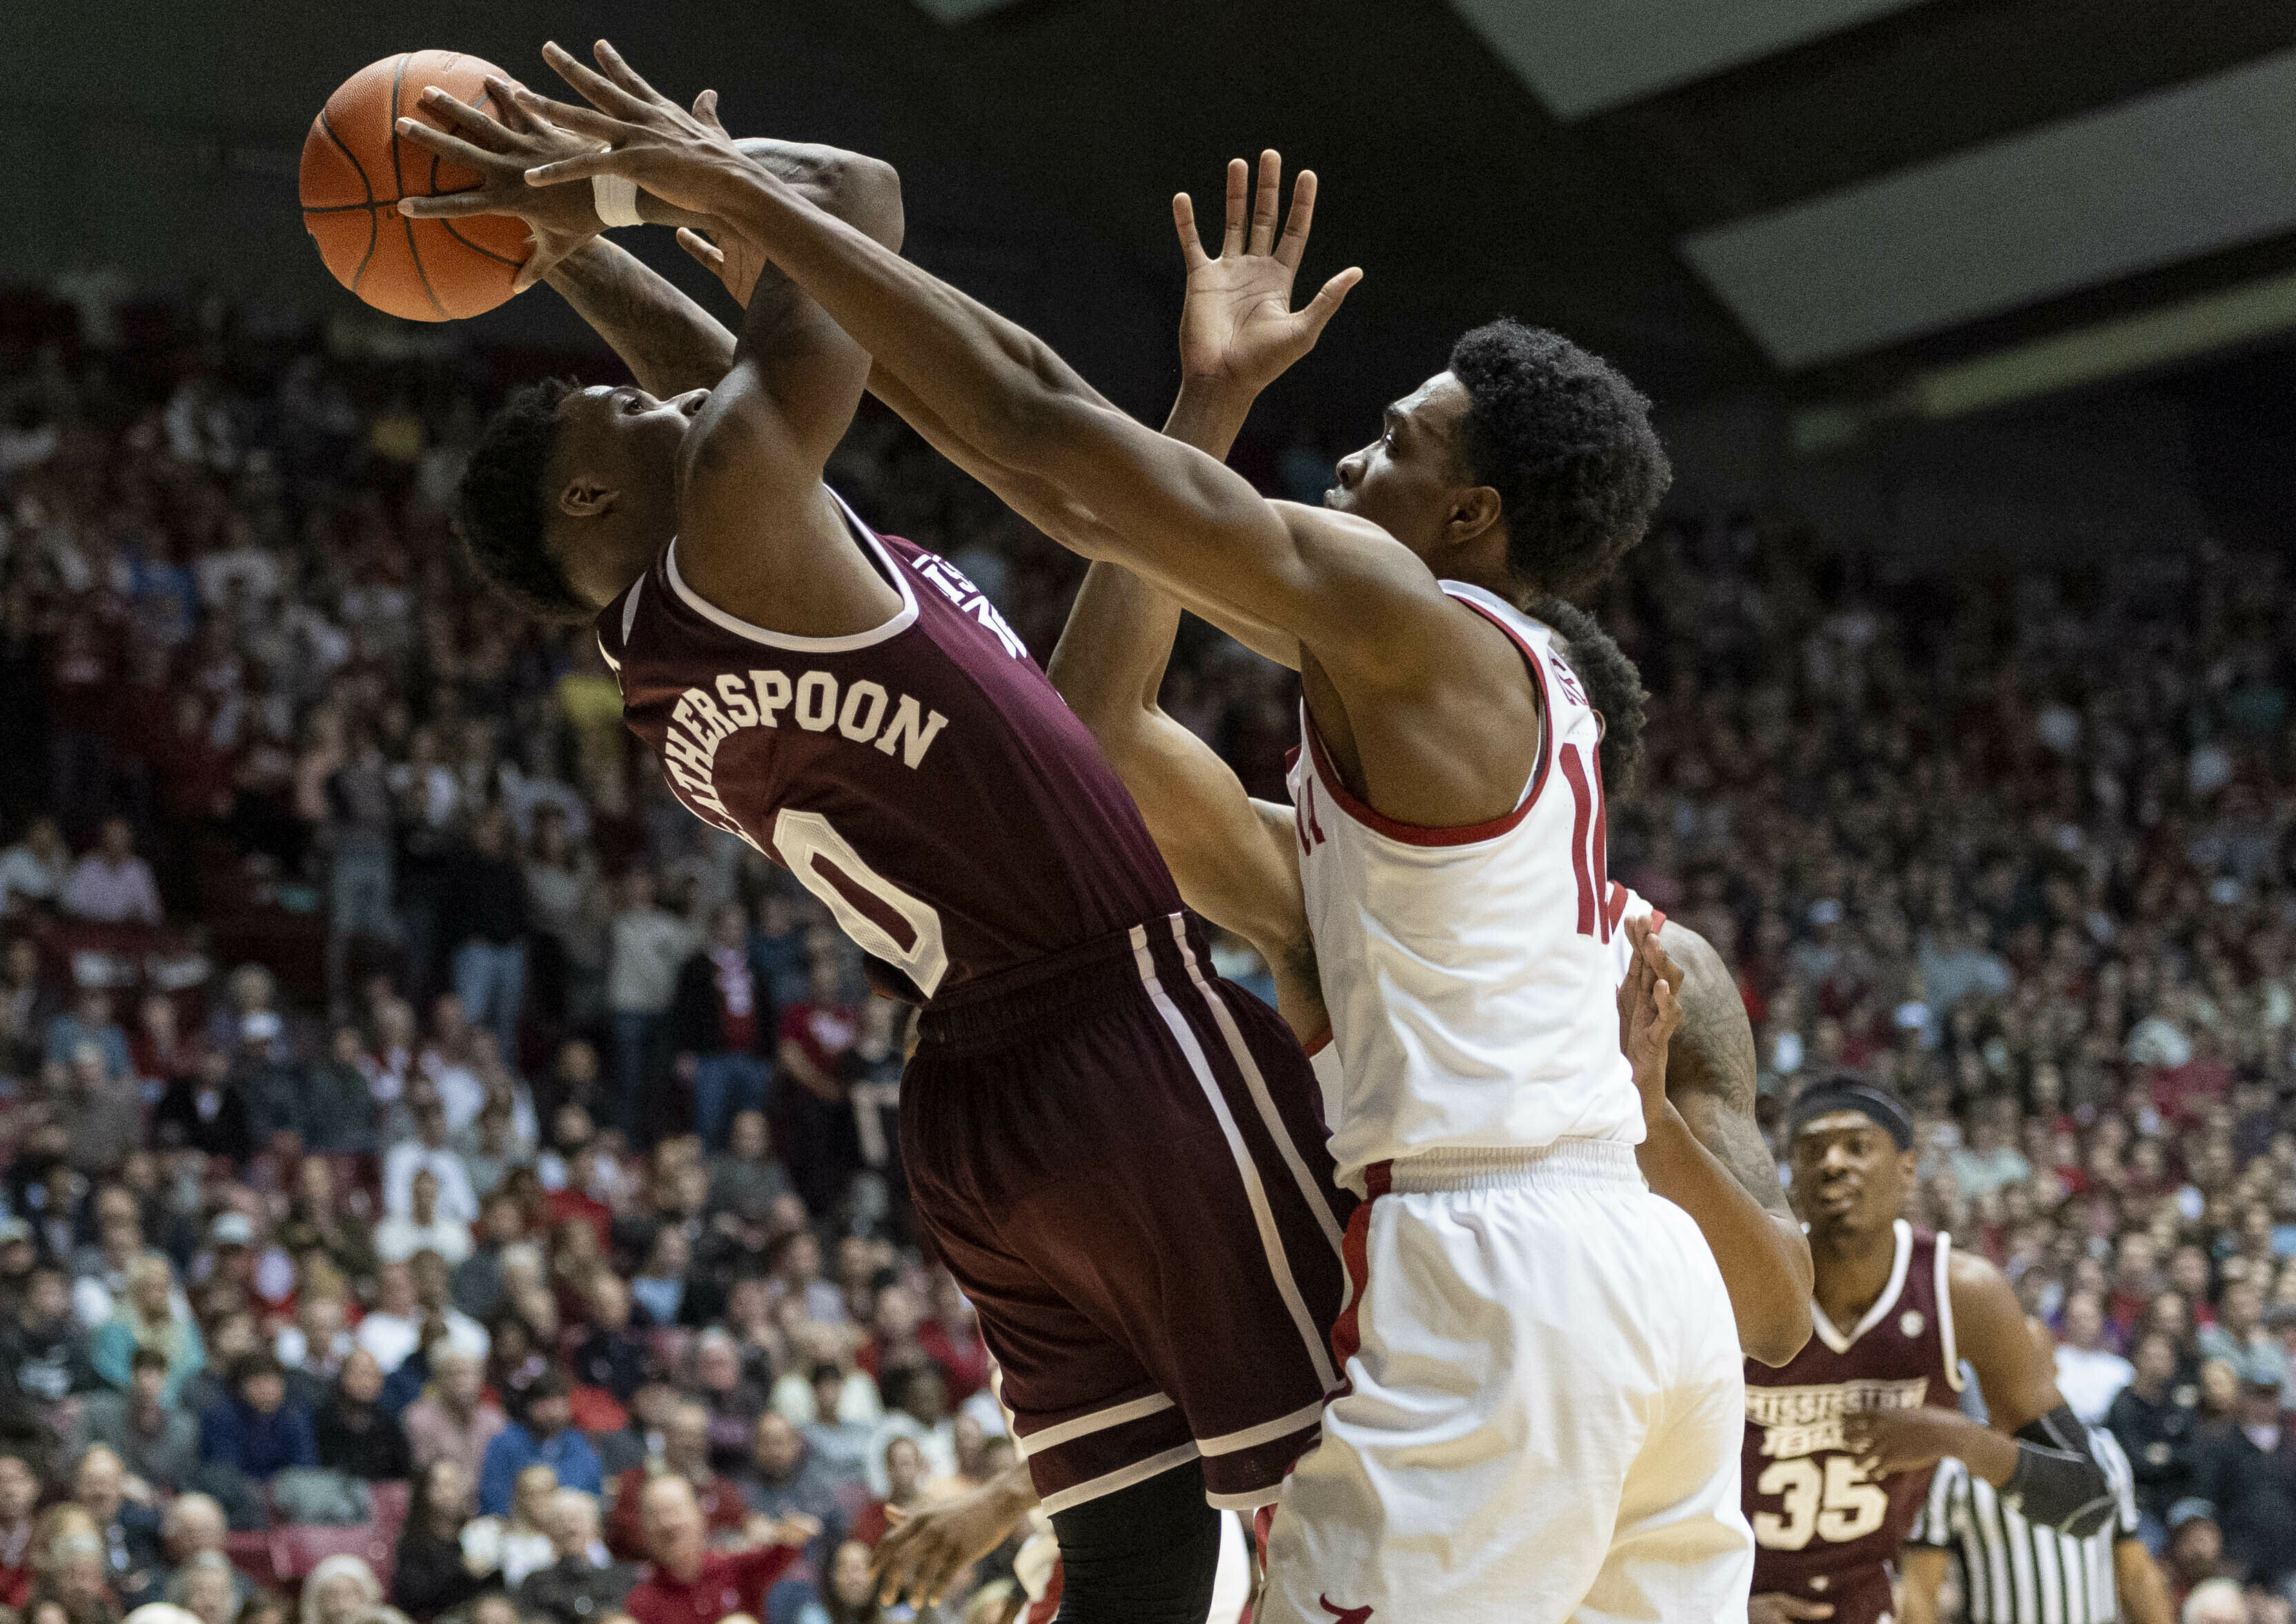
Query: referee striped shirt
x=2014 y=1573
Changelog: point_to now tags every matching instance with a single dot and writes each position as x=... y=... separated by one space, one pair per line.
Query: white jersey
x=1468 y=972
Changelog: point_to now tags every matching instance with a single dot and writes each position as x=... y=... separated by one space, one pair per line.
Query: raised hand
x=682 y=158
x=1238 y=327
x=502 y=150
x=1649 y=1010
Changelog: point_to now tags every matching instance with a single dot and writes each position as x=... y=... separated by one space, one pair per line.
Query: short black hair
x=1567 y=443
x=1613 y=685
x=499 y=504
x=250 y=1366
x=147 y=1358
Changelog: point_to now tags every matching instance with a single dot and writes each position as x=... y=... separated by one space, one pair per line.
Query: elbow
x=871 y=188
x=1777 y=1333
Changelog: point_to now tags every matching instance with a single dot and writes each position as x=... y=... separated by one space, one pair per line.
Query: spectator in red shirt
x=575 y=1200
x=721 y=1026
x=951 y=1338
x=20 y=1491
x=816 y=1041
x=684 y=1454
x=690 y=1584
x=905 y=1475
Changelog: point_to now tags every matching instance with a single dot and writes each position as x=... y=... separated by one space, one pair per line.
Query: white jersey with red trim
x=1468 y=970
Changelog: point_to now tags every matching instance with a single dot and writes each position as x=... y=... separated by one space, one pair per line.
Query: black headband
x=1847 y=1093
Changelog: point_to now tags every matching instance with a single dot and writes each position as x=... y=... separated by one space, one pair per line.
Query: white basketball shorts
x=1543 y=1411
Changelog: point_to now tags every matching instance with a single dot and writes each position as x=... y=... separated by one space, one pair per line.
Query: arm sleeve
x=2059 y=1483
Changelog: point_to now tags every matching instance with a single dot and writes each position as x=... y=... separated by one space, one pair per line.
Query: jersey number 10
x=1590 y=839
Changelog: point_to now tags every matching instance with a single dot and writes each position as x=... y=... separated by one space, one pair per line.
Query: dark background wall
x=1040 y=147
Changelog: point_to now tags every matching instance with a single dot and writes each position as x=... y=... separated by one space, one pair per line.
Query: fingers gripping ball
x=355 y=168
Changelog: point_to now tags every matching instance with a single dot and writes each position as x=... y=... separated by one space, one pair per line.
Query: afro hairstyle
x=1567 y=443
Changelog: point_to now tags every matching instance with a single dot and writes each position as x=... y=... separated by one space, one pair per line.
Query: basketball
x=354 y=170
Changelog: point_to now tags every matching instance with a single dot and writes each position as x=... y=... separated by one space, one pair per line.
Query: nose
x=691 y=401
x=1352 y=467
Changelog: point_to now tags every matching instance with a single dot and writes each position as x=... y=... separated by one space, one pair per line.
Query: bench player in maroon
x=1840 y=1440
x=1116 y=1152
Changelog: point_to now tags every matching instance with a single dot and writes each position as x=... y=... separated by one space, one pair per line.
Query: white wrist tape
x=616 y=197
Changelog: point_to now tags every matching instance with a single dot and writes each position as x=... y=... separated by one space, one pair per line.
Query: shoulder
x=1974 y=1280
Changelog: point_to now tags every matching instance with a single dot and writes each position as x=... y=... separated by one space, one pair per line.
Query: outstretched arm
x=669 y=343
x=1233 y=857
x=2035 y=1450
x=1767 y=1279
x=1005 y=400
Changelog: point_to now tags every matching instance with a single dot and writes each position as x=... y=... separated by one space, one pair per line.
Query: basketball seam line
x=398 y=182
x=390 y=129
x=415 y=254
x=477 y=248
x=373 y=231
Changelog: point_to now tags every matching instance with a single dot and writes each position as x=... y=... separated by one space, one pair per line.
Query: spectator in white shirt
x=422 y=1229
x=112 y=885
x=428 y=1152
x=2089 y=1375
x=393 y=1327
x=447 y=1062
x=33 y=870
x=645 y=948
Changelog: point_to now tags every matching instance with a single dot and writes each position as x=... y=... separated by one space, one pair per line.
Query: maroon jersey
x=922 y=779
x=1822 y=1530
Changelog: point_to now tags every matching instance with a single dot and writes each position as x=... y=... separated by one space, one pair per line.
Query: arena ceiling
x=1837 y=197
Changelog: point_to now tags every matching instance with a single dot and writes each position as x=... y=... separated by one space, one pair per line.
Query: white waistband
x=1585 y=1162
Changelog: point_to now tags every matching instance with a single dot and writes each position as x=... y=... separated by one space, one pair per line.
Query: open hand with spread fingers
x=502 y=150
x=684 y=158
x=1238 y=328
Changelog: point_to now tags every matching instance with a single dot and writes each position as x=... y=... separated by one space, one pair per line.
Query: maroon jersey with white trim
x=921 y=778
x=1822 y=1529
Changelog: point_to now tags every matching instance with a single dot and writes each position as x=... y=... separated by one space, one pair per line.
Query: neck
x=1853 y=1269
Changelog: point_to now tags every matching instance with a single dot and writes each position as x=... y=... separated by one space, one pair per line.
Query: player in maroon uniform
x=1839 y=1441
x=1116 y=1152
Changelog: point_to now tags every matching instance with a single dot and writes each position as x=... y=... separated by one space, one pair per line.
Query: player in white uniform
x=1459 y=1478
x=1237 y=862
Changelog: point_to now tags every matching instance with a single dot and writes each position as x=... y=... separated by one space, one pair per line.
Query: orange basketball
x=355 y=168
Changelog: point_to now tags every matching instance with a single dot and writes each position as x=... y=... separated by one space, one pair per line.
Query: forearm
x=2144 y=1595
x=1110 y=663
x=1917 y=1597
x=864 y=192
x=977 y=373
x=669 y=343
x=1765 y=1264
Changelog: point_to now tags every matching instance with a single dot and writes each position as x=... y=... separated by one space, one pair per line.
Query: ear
x=1473 y=513
x=586 y=497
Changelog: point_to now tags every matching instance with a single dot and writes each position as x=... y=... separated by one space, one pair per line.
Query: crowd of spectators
x=398 y=1088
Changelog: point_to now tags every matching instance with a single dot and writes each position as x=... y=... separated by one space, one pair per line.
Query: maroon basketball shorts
x=1120 y=1157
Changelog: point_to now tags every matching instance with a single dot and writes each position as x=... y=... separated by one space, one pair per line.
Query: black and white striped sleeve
x=1933 y=1523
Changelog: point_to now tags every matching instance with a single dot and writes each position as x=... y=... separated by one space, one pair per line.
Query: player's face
x=614 y=473
x=1849 y=1175
x=1407 y=481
